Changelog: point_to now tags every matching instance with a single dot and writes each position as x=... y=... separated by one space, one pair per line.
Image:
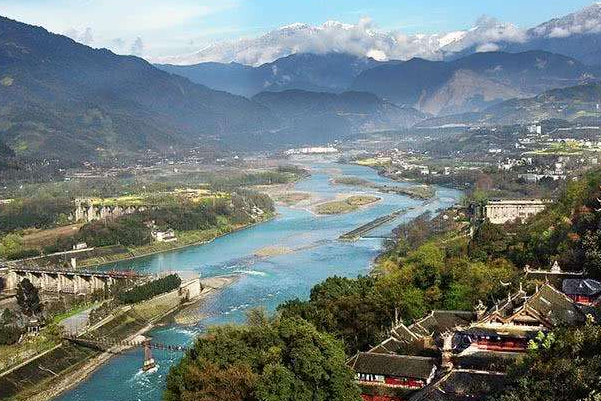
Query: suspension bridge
x=118 y=346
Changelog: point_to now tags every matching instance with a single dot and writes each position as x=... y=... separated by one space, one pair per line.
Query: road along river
x=307 y=253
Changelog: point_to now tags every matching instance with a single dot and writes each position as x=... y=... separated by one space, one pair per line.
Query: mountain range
x=470 y=83
x=576 y=35
x=66 y=100
x=329 y=116
x=63 y=99
x=330 y=72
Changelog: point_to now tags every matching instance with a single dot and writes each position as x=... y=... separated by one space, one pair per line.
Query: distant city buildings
x=311 y=151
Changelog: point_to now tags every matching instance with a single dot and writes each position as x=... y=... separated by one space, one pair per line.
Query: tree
x=565 y=366
x=28 y=298
x=8 y=317
x=282 y=359
x=11 y=244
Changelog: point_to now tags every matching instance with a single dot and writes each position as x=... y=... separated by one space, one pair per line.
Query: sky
x=155 y=28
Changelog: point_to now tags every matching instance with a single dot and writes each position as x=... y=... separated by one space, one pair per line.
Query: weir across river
x=360 y=232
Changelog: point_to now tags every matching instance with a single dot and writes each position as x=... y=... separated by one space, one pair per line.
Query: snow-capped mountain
x=576 y=35
x=585 y=21
x=360 y=40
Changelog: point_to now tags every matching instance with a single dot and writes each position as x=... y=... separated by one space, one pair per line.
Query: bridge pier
x=63 y=280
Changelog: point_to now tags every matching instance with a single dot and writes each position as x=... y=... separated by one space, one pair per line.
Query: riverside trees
x=28 y=298
x=281 y=359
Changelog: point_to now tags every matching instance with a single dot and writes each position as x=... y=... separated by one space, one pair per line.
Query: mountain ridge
x=68 y=100
x=496 y=77
x=330 y=72
x=571 y=103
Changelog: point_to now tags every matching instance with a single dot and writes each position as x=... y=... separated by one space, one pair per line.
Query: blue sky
x=168 y=27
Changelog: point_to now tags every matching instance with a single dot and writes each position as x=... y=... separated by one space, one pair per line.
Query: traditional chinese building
x=456 y=356
x=582 y=291
x=387 y=377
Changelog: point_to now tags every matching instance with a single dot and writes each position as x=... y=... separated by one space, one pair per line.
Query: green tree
x=565 y=366
x=284 y=359
x=11 y=244
x=28 y=298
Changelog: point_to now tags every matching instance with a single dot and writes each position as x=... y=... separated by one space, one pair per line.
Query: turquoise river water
x=264 y=281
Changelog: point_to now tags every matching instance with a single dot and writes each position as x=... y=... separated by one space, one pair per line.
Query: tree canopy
x=567 y=368
x=282 y=359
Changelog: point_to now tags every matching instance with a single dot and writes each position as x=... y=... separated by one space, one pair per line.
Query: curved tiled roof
x=416 y=367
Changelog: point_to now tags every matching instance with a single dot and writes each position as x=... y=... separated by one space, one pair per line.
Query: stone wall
x=86 y=211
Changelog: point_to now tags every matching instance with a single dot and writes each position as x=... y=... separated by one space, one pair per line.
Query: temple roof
x=416 y=367
x=555 y=307
x=403 y=338
x=460 y=384
x=548 y=305
x=587 y=287
x=439 y=321
x=478 y=359
x=504 y=330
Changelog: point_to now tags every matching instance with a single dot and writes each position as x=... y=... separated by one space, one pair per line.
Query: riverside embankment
x=47 y=375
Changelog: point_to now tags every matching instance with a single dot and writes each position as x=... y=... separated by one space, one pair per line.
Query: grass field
x=42 y=238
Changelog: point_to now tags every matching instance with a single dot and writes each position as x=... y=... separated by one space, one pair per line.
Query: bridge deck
x=76 y=272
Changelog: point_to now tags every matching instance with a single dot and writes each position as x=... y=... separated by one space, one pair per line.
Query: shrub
x=9 y=335
x=151 y=289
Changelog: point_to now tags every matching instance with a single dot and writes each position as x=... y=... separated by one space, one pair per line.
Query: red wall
x=380 y=398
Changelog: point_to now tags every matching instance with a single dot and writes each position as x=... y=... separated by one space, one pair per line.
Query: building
x=87 y=211
x=388 y=377
x=582 y=291
x=164 y=236
x=461 y=356
x=311 y=151
x=508 y=210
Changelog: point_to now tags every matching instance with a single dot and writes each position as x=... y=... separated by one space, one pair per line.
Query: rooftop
x=416 y=367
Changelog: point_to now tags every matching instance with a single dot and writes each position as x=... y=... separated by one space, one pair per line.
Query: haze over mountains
x=331 y=72
x=577 y=103
x=65 y=100
x=471 y=83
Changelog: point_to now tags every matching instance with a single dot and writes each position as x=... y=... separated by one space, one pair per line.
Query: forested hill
x=573 y=103
x=63 y=99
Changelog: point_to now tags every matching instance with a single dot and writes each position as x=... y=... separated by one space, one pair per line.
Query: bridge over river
x=53 y=279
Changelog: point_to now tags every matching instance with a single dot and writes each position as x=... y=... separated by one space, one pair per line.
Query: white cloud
x=487 y=47
x=137 y=48
x=377 y=54
x=559 y=32
x=587 y=20
x=362 y=39
x=86 y=37
x=158 y=20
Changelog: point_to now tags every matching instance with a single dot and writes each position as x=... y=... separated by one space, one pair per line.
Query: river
x=314 y=254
